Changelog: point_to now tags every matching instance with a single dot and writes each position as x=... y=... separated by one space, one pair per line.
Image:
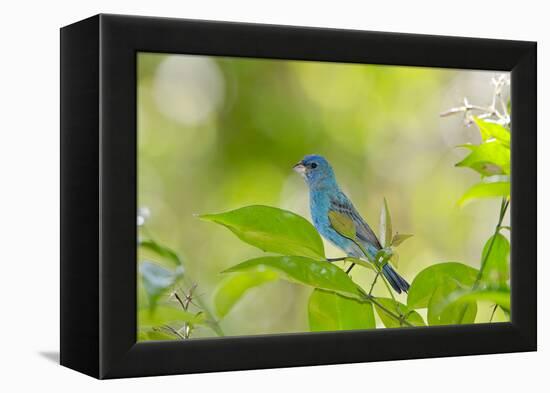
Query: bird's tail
x=397 y=282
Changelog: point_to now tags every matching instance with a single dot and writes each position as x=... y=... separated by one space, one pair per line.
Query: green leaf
x=343 y=224
x=394 y=306
x=496 y=271
x=160 y=250
x=332 y=311
x=500 y=296
x=157 y=279
x=231 y=290
x=385 y=225
x=318 y=274
x=163 y=315
x=490 y=130
x=432 y=286
x=488 y=158
x=491 y=187
x=272 y=229
x=400 y=238
x=440 y=314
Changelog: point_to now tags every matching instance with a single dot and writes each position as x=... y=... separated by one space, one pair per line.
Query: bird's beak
x=299 y=168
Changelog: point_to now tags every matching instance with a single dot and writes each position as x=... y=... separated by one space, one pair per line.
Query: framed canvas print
x=239 y=196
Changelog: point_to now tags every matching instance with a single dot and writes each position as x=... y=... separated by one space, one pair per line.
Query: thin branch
x=365 y=253
x=171 y=330
x=336 y=259
x=503 y=207
x=374 y=282
x=387 y=286
x=214 y=322
x=179 y=300
x=493 y=312
x=400 y=318
x=486 y=111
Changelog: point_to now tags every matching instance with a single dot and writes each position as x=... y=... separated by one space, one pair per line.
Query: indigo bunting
x=325 y=196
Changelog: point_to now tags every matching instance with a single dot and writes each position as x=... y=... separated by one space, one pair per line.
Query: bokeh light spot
x=188 y=89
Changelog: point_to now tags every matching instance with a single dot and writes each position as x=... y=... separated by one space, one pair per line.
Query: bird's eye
x=313 y=166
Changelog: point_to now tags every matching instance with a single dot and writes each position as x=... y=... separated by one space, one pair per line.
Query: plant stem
x=336 y=259
x=388 y=287
x=384 y=280
x=377 y=268
x=171 y=330
x=493 y=312
x=179 y=300
x=362 y=250
x=215 y=325
x=503 y=207
x=202 y=305
x=373 y=282
x=399 y=318
x=185 y=306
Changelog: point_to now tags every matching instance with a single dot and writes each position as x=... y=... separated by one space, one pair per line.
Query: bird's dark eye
x=313 y=166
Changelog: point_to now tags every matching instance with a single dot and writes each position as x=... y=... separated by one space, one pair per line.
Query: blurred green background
x=217 y=133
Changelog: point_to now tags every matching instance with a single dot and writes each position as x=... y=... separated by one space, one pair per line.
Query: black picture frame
x=98 y=195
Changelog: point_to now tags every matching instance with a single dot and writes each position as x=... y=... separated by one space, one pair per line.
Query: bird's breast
x=319 y=205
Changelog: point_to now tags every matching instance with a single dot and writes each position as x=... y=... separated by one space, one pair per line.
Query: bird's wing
x=344 y=206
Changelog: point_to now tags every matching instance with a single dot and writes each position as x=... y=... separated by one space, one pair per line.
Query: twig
x=388 y=287
x=372 y=298
x=179 y=300
x=400 y=318
x=184 y=303
x=171 y=330
x=503 y=207
x=493 y=312
x=373 y=282
x=486 y=111
x=365 y=253
x=214 y=323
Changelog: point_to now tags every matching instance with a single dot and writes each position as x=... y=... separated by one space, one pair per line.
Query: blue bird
x=325 y=196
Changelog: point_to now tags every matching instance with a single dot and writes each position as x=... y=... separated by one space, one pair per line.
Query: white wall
x=29 y=224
